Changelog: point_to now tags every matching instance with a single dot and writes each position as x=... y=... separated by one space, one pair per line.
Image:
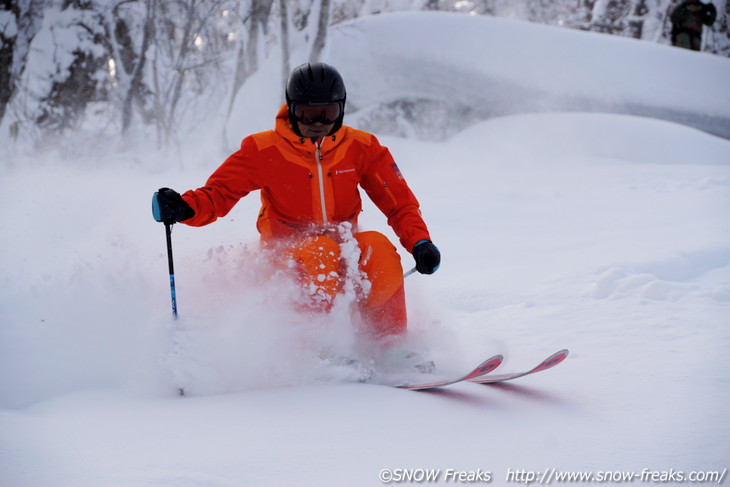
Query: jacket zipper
x=320 y=176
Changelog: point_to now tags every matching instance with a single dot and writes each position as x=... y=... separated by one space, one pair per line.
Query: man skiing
x=687 y=21
x=308 y=170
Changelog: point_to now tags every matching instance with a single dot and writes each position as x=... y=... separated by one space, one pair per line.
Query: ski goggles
x=324 y=113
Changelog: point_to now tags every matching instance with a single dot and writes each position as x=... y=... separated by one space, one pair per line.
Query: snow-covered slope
x=467 y=68
x=603 y=233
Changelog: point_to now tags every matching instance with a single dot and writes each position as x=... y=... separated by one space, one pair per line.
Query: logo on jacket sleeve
x=397 y=170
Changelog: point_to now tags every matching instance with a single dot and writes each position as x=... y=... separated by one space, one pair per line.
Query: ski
x=484 y=368
x=548 y=363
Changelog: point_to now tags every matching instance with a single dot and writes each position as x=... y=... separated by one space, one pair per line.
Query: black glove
x=169 y=207
x=427 y=256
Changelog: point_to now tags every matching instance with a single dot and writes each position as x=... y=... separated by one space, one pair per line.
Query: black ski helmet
x=315 y=83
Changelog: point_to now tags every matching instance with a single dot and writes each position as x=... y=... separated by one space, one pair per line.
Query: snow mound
x=415 y=78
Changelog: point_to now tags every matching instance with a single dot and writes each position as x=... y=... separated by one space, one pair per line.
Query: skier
x=687 y=21
x=308 y=170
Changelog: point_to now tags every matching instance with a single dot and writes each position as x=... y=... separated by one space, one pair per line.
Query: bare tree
x=284 y=29
x=136 y=88
x=192 y=39
x=20 y=20
x=322 y=26
x=9 y=16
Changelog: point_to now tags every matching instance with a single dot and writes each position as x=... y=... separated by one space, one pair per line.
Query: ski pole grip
x=156 y=208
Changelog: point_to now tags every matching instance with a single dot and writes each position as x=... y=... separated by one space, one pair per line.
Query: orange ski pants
x=383 y=307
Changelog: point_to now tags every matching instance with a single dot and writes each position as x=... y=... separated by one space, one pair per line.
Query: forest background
x=122 y=73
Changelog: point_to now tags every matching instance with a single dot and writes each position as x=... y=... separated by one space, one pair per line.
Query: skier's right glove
x=427 y=256
x=169 y=207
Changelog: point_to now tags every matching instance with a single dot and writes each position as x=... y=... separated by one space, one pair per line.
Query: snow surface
x=603 y=233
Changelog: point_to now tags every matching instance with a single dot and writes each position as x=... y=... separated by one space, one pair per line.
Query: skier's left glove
x=169 y=207
x=427 y=256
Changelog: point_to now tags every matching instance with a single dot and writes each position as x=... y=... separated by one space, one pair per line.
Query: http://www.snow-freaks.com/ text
x=549 y=476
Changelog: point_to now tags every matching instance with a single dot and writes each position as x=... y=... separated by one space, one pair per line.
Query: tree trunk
x=248 y=46
x=285 y=55
x=321 y=37
x=179 y=68
x=135 y=85
x=7 y=47
x=28 y=17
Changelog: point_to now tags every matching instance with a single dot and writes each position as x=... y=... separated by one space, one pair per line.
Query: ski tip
x=551 y=361
x=488 y=365
x=482 y=369
x=555 y=358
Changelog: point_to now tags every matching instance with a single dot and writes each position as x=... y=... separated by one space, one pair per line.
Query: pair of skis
x=479 y=374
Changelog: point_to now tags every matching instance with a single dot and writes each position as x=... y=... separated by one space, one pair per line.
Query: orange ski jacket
x=308 y=188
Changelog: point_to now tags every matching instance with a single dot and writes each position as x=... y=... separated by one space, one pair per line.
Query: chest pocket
x=287 y=190
x=345 y=180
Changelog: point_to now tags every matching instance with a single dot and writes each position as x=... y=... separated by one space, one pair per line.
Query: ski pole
x=168 y=234
x=169 y=222
x=409 y=273
x=171 y=267
x=157 y=215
